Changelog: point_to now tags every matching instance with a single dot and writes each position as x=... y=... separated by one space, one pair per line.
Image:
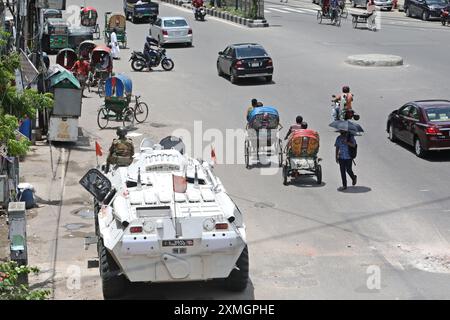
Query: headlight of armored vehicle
x=209 y=224
x=149 y=226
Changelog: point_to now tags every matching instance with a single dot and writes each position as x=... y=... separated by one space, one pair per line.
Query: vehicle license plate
x=254 y=64
x=177 y=243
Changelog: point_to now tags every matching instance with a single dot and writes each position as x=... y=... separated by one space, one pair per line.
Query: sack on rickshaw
x=303 y=143
x=264 y=118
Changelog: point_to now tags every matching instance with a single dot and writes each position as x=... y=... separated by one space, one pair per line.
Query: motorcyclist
x=196 y=5
x=149 y=52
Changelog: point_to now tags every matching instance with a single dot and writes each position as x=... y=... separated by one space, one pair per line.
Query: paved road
x=305 y=241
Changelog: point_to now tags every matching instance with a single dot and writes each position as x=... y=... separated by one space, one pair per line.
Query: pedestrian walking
x=344 y=157
x=115 y=51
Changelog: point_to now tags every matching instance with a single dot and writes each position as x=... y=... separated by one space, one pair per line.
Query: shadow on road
x=357 y=189
x=306 y=182
x=185 y=291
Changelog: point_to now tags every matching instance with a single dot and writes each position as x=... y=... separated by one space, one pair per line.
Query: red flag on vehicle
x=98 y=149
x=213 y=154
x=179 y=184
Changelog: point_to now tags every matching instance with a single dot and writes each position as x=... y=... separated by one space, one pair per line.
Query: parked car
x=171 y=30
x=382 y=4
x=423 y=124
x=245 y=60
x=424 y=9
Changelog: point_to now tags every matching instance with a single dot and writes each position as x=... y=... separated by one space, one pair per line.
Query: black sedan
x=424 y=9
x=245 y=60
x=423 y=124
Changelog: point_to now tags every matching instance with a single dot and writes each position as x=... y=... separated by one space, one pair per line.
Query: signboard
x=51 y=4
x=29 y=71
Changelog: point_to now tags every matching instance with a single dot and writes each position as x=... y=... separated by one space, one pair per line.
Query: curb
x=375 y=60
x=251 y=23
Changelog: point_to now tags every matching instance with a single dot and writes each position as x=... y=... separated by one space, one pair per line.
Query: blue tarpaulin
x=118 y=86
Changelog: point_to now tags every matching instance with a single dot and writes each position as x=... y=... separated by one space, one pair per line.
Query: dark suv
x=245 y=60
x=424 y=9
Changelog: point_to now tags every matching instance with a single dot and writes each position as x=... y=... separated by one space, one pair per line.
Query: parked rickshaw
x=85 y=49
x=101 y=68
x=262 y=135
x=56 y=35
x=118 y=96
x=332 y=14
x=301 y=155
x=116 y=21
x=66 y=58
x=89 y=17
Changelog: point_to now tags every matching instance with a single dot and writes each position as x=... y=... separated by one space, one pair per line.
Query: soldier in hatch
x=121 y=151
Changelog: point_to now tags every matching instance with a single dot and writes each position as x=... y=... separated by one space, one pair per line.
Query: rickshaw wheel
x=102 y=118
x=247 y=154
x=141 y=112
x=101 y=89
x=97 y=32
x=128 y=117
x=319 y=174
x=285 y=175
x=280 y=154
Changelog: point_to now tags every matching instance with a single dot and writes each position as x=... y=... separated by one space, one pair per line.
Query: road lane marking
x=294 y=10
x=278 y=10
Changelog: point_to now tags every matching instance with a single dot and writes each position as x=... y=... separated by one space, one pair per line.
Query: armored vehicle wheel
x=319 y=174
x=238 y=278
x=113 y=284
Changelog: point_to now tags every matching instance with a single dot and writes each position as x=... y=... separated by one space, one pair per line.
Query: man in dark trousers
x=343 y=157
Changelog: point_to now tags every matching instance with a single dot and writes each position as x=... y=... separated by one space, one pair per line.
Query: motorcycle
x=200 y=13
x=139 y=60
x=445 y=18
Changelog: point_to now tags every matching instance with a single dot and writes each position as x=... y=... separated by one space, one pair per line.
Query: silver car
x=171 y=30
x=382 y=4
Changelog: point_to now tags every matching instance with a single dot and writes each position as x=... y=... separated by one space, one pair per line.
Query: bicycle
x=140 y=110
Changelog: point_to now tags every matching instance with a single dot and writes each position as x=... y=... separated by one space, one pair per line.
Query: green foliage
x=11 y=289
x=17 y=105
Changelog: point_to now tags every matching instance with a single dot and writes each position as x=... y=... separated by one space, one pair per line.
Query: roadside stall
x=63 y=123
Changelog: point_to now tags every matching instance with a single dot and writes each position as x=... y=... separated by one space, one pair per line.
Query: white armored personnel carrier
x=149 y=233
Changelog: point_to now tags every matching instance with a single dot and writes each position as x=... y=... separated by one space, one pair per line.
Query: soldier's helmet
x=121 y=132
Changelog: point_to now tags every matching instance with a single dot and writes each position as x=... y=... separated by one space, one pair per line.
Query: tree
x=16 y=105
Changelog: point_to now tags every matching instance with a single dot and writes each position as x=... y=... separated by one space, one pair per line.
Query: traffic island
x=251 y=23
x=375 y=60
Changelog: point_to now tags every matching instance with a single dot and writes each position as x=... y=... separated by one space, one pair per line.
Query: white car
x=171 y=30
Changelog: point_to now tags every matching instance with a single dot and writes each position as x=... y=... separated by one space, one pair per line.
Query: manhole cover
x=85 y=213
x=264 y=205
x=75 y=226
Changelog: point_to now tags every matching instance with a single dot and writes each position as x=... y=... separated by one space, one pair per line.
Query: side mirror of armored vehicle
x=96 y=184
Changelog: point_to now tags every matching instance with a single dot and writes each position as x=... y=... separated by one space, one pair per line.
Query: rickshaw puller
x=81 y=71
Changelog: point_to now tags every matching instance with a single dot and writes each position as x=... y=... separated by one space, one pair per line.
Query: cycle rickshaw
x=116 y=21
x=332 y=14
x=85 y=49
x=118 y=96
x=66 y=58
x=301 y=155
x=101 y=68
x=262 y=135
x=89 y=18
